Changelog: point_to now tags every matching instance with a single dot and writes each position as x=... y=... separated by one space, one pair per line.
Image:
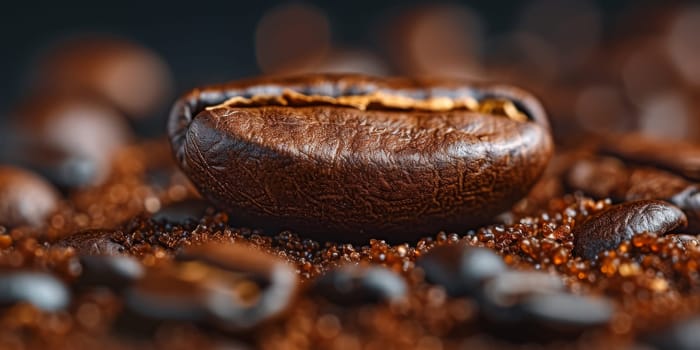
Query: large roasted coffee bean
x=25 y=198
x=353 y=285
x=606 y=229
x=459 y=268
x=352 y=157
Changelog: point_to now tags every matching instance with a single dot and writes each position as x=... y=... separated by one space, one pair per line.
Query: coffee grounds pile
x=148 y=210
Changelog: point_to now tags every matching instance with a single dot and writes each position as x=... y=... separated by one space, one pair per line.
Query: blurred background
x=597 y=65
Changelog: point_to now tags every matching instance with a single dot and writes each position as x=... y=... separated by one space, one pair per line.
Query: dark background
x=205 y=41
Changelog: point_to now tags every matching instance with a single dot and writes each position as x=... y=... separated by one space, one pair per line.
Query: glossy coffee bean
x=246 y=286
x=39 y=289
x=129 y=76
x=502 y=296
x=355 y=285
x=25 y=198
x=64 y=170
x=114 y=272
x=459 y=268
x=231 y=287
x=606 y=229
x=681 y=335
x=93 y=242
x=567 y=312
x=353 y=157
x=78 y=126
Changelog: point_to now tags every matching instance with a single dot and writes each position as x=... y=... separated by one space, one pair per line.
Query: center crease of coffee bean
x=381 y=100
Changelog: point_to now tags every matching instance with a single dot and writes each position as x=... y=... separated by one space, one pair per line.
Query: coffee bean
x=232 y=287
x=600 y=177
x=567 y=312
x=131 y=77
x=362 y=157
x=682 y=158
x=25 y=198
x=246 y=286
x=65 y=170
x=39 y=289
x=166 y=294
x=459 y=268
x=77 y=126
x=114 y=272
x=682 y=335
x=353 y=285
x=606 y=229
x=93 y=242
x=182 y=212
x=502 y=296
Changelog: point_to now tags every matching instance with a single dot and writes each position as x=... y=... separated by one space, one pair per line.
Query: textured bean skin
x=607 y=229
x=346 y=173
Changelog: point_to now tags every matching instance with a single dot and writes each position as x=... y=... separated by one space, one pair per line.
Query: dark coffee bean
x=246 y=286
x=167 y=294
x=353 y=285
x=651 y=183
x=64 y=170
x=606 y=229
x=682 y=158
x=682 y=335
x=502 y=295
x=77 y=126
x=39 y=289
x=601 y=177
x=459 y=268
x=362 y=157
x=93 y=242
x=132 y=77
x=567 y=312
x=25 y=198
x=114 y=272
x=182 y=212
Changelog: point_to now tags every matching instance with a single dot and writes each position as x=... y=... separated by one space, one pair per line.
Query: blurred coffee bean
x=114 y=272
x=353 y=285
x=567 y=312
x=682 y=158
x=599 y=177
x=682 y=335
x=502 y=295
x=93 y=242
x=25 y=198
x=77 y=126
x=182 y=212
x=246 y=286
x=607 y=229
x=39 y=289
x=165 y=294
x=65 y=170
x=460 y=268
x=131 y=77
